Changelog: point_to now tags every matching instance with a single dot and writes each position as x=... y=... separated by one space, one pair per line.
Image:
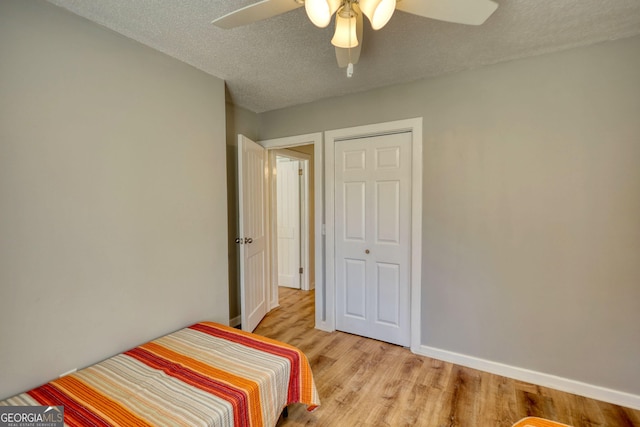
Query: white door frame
x=318 y=150
x=327 y=292
x=304 y=213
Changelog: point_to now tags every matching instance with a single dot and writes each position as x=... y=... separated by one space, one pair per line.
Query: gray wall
x=112 y=194
x=531 y=209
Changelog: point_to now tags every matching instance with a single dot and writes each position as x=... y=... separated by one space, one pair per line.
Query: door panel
x=354 y=160
x=388 y=212
x=354 y=211
x=373 y=236
x=355 y=284
x=253 y=217
x=387 y=158
x=388 y=282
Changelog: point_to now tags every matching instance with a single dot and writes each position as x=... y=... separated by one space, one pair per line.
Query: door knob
x=248 y=240
x=366 y=251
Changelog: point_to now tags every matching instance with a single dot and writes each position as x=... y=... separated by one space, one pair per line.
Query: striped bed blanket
x=203 y=375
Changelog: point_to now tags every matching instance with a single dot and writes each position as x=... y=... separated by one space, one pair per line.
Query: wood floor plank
x=462 y=391
x=562 y=412
x=614 y=415
x=586 y=412
x=497 y=407
x=364 y=382
x=532 y=404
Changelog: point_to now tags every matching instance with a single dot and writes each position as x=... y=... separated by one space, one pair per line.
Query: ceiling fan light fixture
x=345 y=35
x=379 y=12
x=320 y=11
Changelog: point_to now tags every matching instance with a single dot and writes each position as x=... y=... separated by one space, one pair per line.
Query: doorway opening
x=304 y=149
x=293 y=213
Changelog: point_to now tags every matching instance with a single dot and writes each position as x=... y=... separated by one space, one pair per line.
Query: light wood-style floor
x=363 y=382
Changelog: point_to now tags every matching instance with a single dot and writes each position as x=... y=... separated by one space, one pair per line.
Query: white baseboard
x=235 y=321
x=546 y=380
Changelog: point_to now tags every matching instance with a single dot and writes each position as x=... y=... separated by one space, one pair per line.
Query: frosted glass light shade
x=320 y=11
x=345 y=35
x=378 y=11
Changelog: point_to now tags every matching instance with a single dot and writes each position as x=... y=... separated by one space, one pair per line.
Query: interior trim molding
x=539 y=378
x=235 y=322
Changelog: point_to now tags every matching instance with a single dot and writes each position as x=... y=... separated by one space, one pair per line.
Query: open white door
x=253 y=220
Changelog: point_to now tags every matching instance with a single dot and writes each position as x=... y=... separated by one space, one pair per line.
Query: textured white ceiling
x=285 y=60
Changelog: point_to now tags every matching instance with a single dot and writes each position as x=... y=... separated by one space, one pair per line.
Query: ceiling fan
x=347 y=38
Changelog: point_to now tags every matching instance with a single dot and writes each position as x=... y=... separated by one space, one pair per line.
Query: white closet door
x=373 y=237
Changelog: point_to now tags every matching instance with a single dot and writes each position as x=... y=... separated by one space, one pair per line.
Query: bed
x=204 y=375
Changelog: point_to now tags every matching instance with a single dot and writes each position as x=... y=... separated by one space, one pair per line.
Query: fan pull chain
x=350 y=66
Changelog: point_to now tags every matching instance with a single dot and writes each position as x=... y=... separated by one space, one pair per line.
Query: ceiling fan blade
x=256 y=12
x=470 y=12
x=346 y=56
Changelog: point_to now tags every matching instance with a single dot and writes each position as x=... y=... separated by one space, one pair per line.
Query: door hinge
x=301 y=270
x=300 y=171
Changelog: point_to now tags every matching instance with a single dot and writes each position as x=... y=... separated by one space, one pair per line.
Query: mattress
x=203 y=375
